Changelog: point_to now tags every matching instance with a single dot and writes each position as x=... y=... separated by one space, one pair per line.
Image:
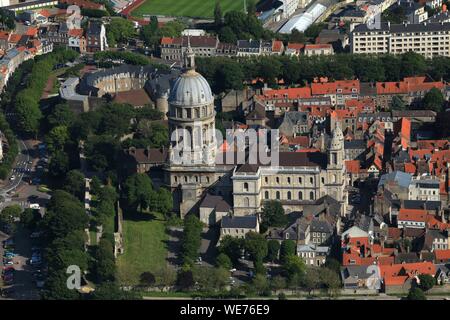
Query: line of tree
x=225 y=73
x=26 y=102
x=191 y=239
x=104 y=57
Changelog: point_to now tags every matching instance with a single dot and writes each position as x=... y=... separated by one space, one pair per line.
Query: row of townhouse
x=91 y=40
x=410 y=89
x=26 y=48
x=173 y=49
x=389 y=257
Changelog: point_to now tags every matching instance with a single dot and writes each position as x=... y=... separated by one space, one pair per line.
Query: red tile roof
x=318 y=46
x=166 y=40
x=432 y=144
x=409 y=84
x=412 y=215
x=277 y=46
x=405 y=132
x=45 y=13
x=442 y=255
x=4 y=35
x=352 y=166
x=332 y=87
x=76 y=32
x=410 y=168
x=14 y=37
x=32 y=31
x=394 y=233
x=295 y=46
x=299 y=140
x=291 y=93
x=397 y=274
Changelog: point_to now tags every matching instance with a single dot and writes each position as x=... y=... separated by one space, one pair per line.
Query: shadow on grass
x=140 y=216
x=173 y=246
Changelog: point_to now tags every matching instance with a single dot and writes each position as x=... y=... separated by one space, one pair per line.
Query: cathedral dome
x=191 y=89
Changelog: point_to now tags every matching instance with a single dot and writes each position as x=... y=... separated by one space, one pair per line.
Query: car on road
x=12 y=177
x=8 y=263
x=233 y=270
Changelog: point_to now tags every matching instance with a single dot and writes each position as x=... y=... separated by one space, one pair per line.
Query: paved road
x=21 y=168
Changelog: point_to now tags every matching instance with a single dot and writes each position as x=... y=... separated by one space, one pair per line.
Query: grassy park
x=186 y=8
x=144 y=247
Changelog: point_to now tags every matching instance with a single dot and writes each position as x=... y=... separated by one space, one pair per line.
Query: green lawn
x=144 y=249
x=186 y=8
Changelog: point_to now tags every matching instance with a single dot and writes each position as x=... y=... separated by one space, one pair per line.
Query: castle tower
x=336 y=179
x=191 y=118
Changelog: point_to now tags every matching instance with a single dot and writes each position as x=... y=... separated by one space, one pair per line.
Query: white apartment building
x=289 y=7
x=424 y=189
x=427 y=39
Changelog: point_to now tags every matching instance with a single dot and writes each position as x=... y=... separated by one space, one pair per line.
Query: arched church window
x=300 y=195
x=266 y=195
x=185 y=179
x=245 y=186
x=311 y=195
x=278 y=195
x=289 y=196
x=246 y=202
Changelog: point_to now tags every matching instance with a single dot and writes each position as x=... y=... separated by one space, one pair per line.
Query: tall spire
x=189 y=56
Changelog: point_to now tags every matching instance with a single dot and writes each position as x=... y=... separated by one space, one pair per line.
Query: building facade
x=427 y=39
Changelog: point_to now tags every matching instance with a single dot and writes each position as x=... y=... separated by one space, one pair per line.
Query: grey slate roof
x=320 y=226
x=291 y=119
x=355 y=144
x=420 y=204
x=401 y=178
x=399 y=28
x=246 y=44
x=243 y=222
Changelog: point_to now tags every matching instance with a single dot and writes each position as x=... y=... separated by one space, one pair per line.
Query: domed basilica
x=201 y=184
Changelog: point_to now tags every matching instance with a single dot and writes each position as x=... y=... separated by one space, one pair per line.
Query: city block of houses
x=361 y=183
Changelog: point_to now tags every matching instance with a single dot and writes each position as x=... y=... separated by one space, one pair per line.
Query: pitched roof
x=397 y=274
x=318 y=46
x=76 y=32
x=353 y=166
x=277 y=46
x=290 y=93
x=295 y=46
x=347 y=86
x=442 y=254
x=244 y=222
x=412 y=215
x=409 y=84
